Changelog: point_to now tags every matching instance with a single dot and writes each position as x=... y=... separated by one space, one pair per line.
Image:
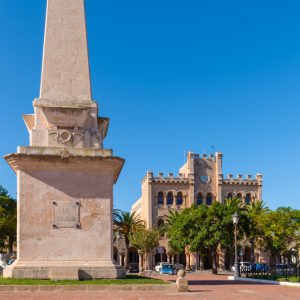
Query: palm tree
x=126 y=223
x=169 y=221
x=235 y=203
x=255 y=210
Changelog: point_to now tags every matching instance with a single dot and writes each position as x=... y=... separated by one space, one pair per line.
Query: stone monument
x=181 y=282
x=65 y=177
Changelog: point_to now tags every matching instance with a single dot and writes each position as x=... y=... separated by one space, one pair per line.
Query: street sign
x=160 y=250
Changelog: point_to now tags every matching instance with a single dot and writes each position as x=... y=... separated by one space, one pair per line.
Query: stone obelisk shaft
x=65 y=71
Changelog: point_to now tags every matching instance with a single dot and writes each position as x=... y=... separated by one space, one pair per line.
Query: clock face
x=204 y=179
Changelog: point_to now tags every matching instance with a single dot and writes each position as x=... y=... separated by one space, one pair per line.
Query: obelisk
x=65 y=177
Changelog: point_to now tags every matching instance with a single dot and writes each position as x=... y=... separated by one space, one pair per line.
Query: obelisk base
x=64 y=272
x=65 y=202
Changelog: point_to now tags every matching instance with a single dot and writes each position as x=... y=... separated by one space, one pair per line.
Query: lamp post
x=235 y=219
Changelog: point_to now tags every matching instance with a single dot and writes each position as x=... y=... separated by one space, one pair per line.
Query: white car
x=244 y=265
x=158 y=266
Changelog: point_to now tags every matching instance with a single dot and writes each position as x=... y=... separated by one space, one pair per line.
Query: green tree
x=8 y=219
x=3 y=191
x=280 y=231
x=173 y=229
x=126 y=223
x=195 y=220
x=144 y=240
x=255 y=212
x=202 y=228
x=218 y=230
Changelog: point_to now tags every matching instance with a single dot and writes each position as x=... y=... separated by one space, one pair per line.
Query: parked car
x=169 y=269
x=179 y=267
x=281 y=269
x=3 y=263
x=133 y=268
x=244 y=266
x=258 y=267
x=158 y=266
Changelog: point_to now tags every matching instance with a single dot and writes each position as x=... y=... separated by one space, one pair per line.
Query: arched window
x=248 y=199
x=239 y=196
x=160 y=198
x=179 y=199
x=229 y=196
x=208 y=199
x=170 y=198
x=199 y=199
x=160 y=222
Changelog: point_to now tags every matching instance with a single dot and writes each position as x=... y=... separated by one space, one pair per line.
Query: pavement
x=202 y=286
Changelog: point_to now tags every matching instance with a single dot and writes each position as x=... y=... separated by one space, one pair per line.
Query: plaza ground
x=202 y=287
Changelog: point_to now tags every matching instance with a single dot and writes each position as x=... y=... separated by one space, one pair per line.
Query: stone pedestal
x=182 y=285
x=181 y=282
x=64 y=213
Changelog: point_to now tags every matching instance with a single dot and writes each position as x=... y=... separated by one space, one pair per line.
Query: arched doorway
x=133 y=255
x=115 y=254
x=182 y=258
x=207 y=259
x=160 y=257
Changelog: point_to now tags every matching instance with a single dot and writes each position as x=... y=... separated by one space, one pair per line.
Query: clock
x=204 y=179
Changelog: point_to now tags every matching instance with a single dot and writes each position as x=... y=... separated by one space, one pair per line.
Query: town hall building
x=199 y=181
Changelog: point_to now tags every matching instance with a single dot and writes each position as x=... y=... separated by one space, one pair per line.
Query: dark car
x=179 y=267
x=282 y=269
x=133 y=268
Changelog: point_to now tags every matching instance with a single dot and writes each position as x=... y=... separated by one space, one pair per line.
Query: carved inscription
x=66 y=214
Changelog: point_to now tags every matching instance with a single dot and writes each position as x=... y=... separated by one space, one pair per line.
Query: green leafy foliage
x=144 y=239
x=281 y=230
x=210 y=227
x=8 y=219
x=126 y=223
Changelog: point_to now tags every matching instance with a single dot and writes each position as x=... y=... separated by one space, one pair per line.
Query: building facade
x=199 y=181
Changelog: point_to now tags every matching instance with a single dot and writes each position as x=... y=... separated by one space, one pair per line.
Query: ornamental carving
x=64 y=136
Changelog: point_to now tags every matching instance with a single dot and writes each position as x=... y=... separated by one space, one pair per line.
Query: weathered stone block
x=182 y=285
x=64 y=273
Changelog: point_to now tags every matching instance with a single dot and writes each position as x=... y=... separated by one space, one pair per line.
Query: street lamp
x=235 y=219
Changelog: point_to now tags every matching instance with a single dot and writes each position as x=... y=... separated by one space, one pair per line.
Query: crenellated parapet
x=205 y=156
x=240 y=180
x=169 y=179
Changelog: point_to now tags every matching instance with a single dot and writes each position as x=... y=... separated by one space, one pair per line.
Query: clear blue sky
x=174 y=75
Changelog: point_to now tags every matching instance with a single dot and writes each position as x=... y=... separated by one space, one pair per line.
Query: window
x=199 y=199
x=170 y=198
x=239 y=196
x=229 y=196
x=209 y=199
x=179 y=199
x=248 y=199
x=160 y=224
x=160 y=198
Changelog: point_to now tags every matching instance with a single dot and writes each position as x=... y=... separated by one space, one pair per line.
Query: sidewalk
x=202 y=287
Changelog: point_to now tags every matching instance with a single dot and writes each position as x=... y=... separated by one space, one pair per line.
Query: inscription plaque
x=66 y=214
